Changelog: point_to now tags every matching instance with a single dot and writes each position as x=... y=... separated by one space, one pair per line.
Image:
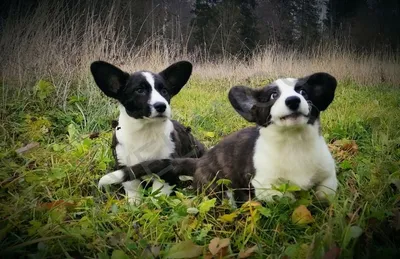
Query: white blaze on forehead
x=285 y=83
x=155 y=96
x=150 y=79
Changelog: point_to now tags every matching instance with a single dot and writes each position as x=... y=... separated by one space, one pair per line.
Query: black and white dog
x=145 y=130
x=286 y=144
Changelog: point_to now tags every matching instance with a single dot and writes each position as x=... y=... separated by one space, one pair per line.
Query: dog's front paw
x=324 y=194
x=111 y=178
x=326 y=190
x=133 y=192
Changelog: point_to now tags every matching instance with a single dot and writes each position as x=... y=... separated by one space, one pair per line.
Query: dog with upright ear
x=320 y=88
x=145 y=129
x=112 y=80
x=177 y=75
x=261 y=105
x=243 y=99
x=109 y=78
x=285 y=145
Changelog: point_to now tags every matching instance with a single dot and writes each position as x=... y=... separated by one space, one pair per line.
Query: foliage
x=50 y=205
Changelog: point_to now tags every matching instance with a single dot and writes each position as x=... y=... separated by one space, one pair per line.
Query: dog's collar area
x=267 y=124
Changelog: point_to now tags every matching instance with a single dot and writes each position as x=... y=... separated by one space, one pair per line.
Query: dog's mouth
x=292 y=116
x=159 y=116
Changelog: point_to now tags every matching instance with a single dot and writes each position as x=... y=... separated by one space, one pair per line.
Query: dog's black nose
x=160 y=107
x=293 y=102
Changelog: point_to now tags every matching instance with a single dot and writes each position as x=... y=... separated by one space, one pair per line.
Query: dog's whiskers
x=311 y=105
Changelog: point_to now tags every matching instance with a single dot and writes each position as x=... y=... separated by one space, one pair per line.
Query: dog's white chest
x=153 y=142
x=150 y=143
x=301 y=159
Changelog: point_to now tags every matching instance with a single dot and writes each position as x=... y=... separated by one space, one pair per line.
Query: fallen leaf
x=343 y=149
x=151 y=252
x=301 y=215
x=248 y=252
x=58 y=203
x=217 y=246
x=27 y=147
x=350 y=146
x=185 y=249
x=228 y=218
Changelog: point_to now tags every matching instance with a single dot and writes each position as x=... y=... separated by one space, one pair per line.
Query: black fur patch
x=231 y=159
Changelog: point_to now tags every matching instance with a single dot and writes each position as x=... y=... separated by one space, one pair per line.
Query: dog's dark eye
x=139 y=90
x=273 y=96
x=303 y=92
x=163 y=92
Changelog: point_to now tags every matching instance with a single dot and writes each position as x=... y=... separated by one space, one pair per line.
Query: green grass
x=362 y=221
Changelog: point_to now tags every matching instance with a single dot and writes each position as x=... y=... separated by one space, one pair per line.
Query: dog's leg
x=164 y=188
x=133 y=191
x=327 y=188
x=112 y=178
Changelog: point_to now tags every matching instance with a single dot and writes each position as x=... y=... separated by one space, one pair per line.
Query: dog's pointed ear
x=108 y=78
x=177 y=75
x=320 y=88
x=243 y=100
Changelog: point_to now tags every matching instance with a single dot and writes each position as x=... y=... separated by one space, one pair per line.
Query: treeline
x=231 y=27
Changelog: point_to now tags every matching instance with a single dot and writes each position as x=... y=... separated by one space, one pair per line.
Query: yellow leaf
x=194 y=224
x=301 y=215
x=210 y=134
x=228 y=217
x=253 y=204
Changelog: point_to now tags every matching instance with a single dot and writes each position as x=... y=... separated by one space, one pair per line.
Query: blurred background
x=356 y=39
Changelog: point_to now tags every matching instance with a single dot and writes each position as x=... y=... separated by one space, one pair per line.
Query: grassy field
x=50 y=206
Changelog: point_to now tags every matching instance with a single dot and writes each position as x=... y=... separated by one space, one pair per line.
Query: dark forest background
x=234 y=27
x=357 y=39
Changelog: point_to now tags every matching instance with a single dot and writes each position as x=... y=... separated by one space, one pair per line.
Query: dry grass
x=59 y=45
